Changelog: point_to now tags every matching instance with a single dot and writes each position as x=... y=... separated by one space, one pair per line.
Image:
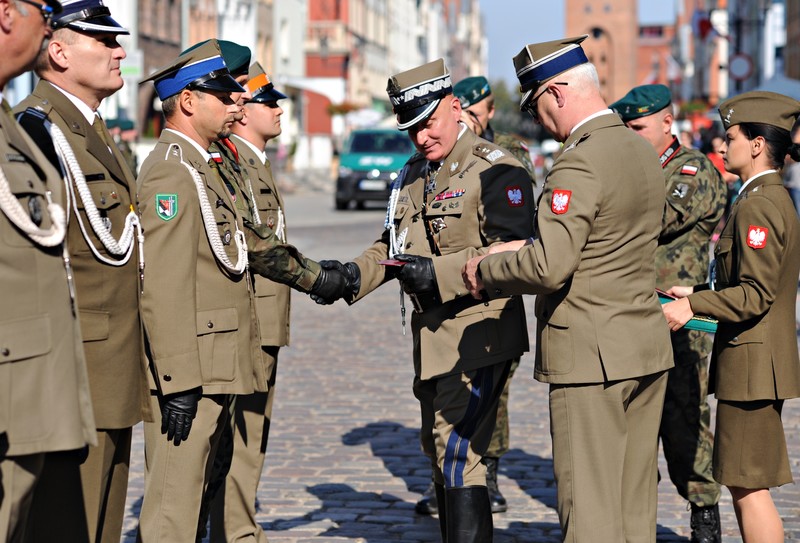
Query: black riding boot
x=469 y=516
x=442 y=500
x=496 y=499
x=705 y=524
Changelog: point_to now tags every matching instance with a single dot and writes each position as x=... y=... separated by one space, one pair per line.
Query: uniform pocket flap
x=24 y=338
x=448 y=208
x=217 y=320
x=750 y=335
x=21 y=180
x=94 y=325
x=553 y=316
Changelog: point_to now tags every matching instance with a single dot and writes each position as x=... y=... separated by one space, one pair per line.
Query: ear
x=189 y=101
x=490 y=115
x=666 y=123
x=757 y=146
x=558 y=92
x=58 y=54
x=455 y=107
x=6 y=15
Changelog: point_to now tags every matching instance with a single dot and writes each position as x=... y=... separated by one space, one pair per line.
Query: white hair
x=584 y=77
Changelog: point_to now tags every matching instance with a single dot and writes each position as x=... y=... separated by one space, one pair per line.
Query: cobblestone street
x=344 y=463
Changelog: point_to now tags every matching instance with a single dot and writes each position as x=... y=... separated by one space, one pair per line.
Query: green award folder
x=698 y=322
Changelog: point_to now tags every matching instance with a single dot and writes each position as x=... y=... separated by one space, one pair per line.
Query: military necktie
x=100 y=127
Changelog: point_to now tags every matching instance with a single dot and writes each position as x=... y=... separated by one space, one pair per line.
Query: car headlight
x=344 y=171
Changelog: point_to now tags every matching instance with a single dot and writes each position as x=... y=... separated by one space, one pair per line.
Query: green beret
x=472 y=90
x=236 y=57
x=642 y=101
x=760 y=107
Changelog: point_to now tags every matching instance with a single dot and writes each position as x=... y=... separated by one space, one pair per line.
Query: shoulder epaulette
x=35 y=122
x=488 y=151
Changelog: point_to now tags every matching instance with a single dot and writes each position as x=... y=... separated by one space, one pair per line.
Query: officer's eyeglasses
x=530 y=107
x=46 y=11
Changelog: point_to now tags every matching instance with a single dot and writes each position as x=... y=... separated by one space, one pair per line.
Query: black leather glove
x=417 y=275
x=177 y=412
x=330 y=286
x=352 y=277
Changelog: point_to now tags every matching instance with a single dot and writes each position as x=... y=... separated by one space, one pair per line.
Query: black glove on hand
x=417 y=275
x=352 y=277
x=330 y=286
x=177 y=413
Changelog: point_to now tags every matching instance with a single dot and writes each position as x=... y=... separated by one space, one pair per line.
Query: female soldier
x=754 y=364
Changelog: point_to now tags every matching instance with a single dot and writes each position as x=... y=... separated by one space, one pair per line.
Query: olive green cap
x=472 y=90
x=760 y=107
x=642 y=101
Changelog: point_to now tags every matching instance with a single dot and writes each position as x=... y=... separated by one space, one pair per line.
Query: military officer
x=197 y=309
x=455 y=198
x=601 y=341
x=477 y=100
x=754 y=364
x=78 y=69
x=46 y=416
x=233 y=513
x=695 y=196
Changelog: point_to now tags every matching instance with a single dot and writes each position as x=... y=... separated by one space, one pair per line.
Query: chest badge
x=560 y=202
x=437 y=225
x=757 y=236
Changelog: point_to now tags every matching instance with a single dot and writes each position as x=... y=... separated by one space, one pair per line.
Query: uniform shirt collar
x=205 y=154
x=262 y=156
x=756 y=176
x=85 y=110
x=589 y=118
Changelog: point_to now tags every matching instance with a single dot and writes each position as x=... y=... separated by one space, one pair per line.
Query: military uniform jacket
x=197 y=316
x=592 y=264
x=482 y=196
x=757 y=264
x=272 y=299
x=45 y=404
x=516 y=147
x=109 y=295
x=696 y=197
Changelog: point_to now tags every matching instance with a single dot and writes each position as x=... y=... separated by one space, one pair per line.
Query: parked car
x=368 y=164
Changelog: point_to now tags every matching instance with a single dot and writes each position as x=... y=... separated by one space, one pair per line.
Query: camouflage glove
x=417 y=275
x=351 y=274
x=278 y=261
x=177 y=412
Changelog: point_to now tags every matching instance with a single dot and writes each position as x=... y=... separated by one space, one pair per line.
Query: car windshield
x=377 y=142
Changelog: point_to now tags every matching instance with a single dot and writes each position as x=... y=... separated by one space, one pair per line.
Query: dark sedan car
x=369 y=164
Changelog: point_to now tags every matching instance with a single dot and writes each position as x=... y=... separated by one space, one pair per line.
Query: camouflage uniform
x=696 y=196
x=515 y=146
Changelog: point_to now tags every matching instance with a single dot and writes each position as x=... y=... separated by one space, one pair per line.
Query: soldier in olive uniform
x=455 y=198
x=477 y=101
x=601 y=342
x=754 y=363
x=233 y=513
x=46 y=419
x=79 y=68
x=696 y=196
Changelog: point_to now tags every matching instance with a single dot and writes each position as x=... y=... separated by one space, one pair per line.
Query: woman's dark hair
x=778 y=141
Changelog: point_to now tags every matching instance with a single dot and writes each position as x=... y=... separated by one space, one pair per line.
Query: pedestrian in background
x=755 y=364
x=695 y=202
x=791 y=172
x=601 y=342
x=79 y=68
x=458 y=195
x=46 y=419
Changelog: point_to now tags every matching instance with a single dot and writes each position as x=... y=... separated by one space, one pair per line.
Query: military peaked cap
x=416 y=93
x=540 y=62
x=90 y=16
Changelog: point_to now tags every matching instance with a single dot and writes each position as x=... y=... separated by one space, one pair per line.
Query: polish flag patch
x=689 y=170
x=560 y=202
x=757 y=237
x=515 y=196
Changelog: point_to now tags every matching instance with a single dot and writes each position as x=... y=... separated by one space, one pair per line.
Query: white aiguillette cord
x=396 y=242
x=49 y=237
x=210 y=222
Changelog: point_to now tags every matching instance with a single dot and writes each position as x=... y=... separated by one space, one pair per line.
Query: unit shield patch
x=167 y=206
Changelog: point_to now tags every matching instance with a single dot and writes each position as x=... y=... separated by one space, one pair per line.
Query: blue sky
x=510 y=24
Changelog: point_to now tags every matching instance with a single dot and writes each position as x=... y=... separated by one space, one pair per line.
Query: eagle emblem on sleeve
x=560 y=202
x=515 y=196
x=757 y=237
